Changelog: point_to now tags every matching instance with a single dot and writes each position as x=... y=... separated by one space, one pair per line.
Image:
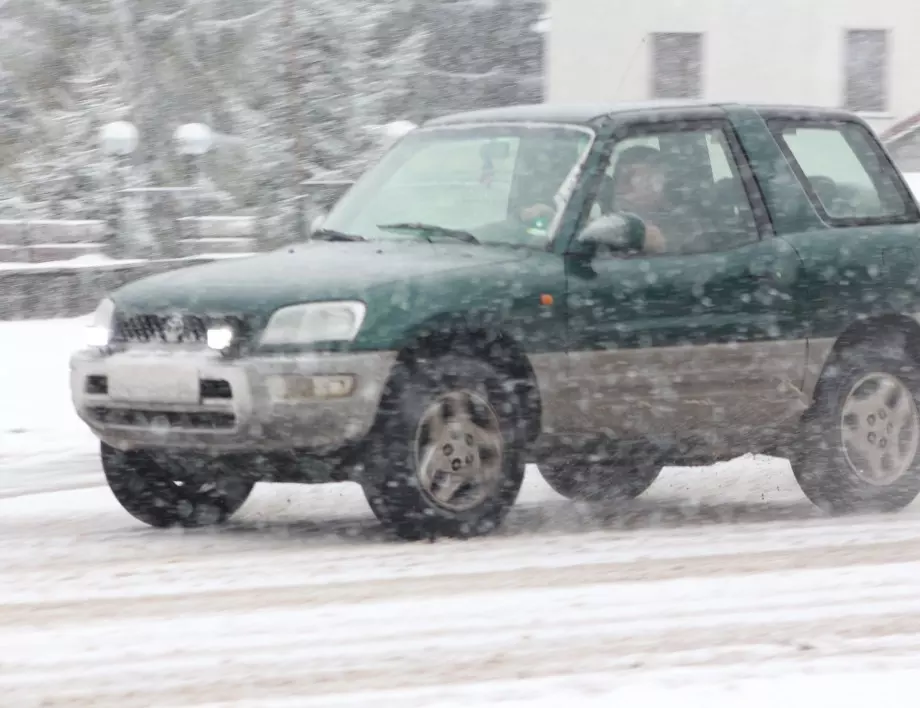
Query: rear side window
x=846 y=175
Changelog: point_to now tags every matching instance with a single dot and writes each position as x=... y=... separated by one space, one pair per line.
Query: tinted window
x=846 y=175
x=701 y=204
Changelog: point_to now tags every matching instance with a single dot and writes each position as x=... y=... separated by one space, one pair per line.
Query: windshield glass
x=497 y=183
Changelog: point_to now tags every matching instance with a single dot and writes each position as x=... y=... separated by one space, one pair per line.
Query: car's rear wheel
x=600 y=482
x=446 y=459
x=858 y=446
x=162 y=492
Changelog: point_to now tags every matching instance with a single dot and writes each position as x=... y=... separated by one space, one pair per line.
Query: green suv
x=598 y=290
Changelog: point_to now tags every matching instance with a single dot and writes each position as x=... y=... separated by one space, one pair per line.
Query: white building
x=860 y=54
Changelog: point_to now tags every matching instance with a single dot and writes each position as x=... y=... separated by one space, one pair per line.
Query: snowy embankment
x=100 y=262
x=39 y=429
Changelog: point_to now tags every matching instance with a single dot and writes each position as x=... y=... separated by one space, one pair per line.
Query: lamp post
x=192 y=141
x=118 y=140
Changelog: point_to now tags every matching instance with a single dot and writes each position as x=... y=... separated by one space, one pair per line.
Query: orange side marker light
x=546 y=299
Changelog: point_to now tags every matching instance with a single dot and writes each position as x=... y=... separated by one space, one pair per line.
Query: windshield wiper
x=429 y=230
x=333 y=235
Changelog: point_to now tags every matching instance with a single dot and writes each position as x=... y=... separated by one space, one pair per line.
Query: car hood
x=312 y=271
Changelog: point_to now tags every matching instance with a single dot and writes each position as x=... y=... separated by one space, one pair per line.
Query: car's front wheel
x=858 y=447
x=162 y=492
x=446 y=460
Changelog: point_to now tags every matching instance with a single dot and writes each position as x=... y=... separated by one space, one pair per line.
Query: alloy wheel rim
x=879 y=429
x=459 y=451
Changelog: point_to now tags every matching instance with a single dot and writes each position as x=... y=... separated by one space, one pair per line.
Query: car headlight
x=99 y=331
x=315 y=322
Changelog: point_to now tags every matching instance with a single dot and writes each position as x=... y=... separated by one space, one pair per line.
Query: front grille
x=165 y=329
x=171 y=329
x=173 y=420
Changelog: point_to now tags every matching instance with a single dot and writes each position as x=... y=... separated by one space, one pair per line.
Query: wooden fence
x=41 y=241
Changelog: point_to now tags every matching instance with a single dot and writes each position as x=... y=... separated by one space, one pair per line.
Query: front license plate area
x=153 y=382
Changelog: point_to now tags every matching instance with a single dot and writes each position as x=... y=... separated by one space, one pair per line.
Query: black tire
x=393 y=477
x=830 y=472
x=614 y=482
x=163 y=495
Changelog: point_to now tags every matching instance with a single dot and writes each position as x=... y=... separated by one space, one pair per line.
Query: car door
x=698 y=342
x=860 y=253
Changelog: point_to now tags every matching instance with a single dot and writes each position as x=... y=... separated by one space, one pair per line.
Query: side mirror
x=617 y=233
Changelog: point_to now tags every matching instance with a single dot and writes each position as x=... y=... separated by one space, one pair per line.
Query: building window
x=677 y=61
x=866 y=70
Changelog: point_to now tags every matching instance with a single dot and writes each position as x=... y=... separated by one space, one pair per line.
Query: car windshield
x=488 y=184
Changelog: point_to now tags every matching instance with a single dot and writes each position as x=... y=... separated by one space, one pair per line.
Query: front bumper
x=148 y=398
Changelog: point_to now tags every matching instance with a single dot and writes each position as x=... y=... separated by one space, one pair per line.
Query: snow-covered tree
x=289 y=87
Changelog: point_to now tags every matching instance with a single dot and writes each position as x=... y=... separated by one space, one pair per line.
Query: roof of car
x=586 y=114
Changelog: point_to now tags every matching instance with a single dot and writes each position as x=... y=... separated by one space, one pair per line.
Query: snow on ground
x=720 y=587
x=38 y=426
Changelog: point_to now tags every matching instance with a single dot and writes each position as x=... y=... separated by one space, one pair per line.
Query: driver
x=638 y=188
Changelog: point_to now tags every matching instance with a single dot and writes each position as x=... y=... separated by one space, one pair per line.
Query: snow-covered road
x=39 y=431
x=721 y=587
x=721 y=584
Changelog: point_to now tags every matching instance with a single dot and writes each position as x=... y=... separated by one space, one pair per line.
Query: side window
x=685 y=182
x=603 y=204
x=719 y=156
x=846 y=175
